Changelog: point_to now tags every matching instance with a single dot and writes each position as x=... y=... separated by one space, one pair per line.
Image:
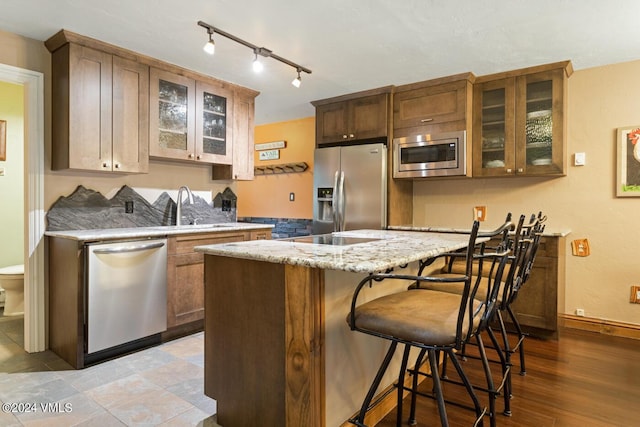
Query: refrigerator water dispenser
x=325 y=202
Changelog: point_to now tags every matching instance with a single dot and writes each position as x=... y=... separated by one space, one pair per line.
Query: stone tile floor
x=160 y=386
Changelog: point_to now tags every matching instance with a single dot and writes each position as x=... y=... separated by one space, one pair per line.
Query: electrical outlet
x=480 y=213
x=635 y=295
x=128 y=206
x=580 y=312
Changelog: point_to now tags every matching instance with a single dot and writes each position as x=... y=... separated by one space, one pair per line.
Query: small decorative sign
x=270 y=155
x=270 y=145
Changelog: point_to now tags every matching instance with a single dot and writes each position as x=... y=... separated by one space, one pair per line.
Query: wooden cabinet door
x=368 y=117
x=537 y=302
x=130 y=116
x=185 y=288
x=88 y=142
x=539 y=123
x=494 y=151
x=185 y=275
x=172 y=115
x=356 y=119
x=243 y=142
x=214 y=107
x=332 y=123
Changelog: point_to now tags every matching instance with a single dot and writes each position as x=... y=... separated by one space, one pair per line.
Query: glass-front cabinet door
x=213 y=127
x=171 y=116
x=519 y=125
x=494 y=105
x=539 y=123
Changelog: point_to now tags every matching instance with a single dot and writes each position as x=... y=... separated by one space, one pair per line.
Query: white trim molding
x=34 y=261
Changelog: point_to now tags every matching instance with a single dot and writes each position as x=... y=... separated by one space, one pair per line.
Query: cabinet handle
x=105 y=165
x=351 y=135
x=344 y=136
x=198 y=157
x=520 y=170
x=191 y=155
x=426 y=120
x=509 y=170
x=117 y=165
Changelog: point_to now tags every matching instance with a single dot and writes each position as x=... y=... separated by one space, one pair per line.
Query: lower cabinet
x=185 y=277
x=536 y=307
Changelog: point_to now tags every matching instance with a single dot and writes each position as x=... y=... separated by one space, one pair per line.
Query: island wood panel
x=264 y=343
x=66 y=336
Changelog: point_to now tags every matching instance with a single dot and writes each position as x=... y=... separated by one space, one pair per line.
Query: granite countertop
x=547 y=232
x=361 y=251
x=143 y=232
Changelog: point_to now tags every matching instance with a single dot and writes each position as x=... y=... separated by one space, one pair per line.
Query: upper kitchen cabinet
x=189 y=119
x=100 y=108
x=243 y=143
x=354 y=117
x=433 y=106
x=519 y=122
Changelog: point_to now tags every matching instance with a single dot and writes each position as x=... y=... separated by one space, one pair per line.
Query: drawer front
x=430 y=105
x=185 y=243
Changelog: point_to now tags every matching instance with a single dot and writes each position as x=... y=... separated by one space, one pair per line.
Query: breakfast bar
x=278 y=351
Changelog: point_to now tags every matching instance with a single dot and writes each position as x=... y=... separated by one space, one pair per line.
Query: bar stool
x=432 y=321
x=523 y=244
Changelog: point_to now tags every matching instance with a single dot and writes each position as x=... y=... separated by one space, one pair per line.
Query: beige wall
x=12 y=182
x=600 y=100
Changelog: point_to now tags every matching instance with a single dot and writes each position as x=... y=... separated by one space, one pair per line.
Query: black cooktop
x=330 y=239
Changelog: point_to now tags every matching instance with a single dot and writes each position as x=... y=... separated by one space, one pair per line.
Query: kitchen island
x=278 y=351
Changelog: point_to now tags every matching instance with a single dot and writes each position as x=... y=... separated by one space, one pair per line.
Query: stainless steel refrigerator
x=350 y=188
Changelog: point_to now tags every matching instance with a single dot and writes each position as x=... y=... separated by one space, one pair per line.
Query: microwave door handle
x=336 y=201
x=342 y=202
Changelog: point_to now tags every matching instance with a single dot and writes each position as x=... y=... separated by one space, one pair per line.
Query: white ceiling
x=350 y=45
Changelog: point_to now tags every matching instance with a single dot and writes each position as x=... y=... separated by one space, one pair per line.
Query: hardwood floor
x=583 y=379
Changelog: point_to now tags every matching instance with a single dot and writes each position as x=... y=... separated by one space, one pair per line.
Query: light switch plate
x=480 y=213
x=580 y=247
x=579 y=159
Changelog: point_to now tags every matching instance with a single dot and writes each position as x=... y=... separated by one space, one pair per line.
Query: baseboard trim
x=607 y=327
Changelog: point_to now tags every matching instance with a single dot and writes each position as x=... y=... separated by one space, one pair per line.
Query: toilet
x=12 y=281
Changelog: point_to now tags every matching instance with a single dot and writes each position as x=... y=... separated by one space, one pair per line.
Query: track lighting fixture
x=297 y=81
x=257 y=65
x=262 y=51
x=210 y=46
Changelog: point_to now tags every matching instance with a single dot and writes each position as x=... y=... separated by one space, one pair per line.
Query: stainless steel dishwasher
x=126 y=293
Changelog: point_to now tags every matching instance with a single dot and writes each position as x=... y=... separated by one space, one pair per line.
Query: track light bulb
x=210 y=46
x=297 y=81
x=257 y=65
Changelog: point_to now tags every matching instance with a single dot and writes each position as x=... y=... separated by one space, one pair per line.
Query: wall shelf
x=280 y=168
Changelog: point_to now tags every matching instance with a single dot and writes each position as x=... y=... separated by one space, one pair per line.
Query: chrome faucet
x=179 y=202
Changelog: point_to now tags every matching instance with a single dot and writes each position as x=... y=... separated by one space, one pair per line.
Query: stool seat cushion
x=421 y=316
x=457 y=288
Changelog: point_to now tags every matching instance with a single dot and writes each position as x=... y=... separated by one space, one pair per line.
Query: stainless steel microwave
x=421 y=156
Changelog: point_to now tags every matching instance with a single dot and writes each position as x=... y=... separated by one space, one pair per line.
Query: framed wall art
x=628 y=171
x=3 y=140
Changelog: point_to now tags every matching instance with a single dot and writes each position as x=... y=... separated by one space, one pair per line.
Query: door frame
x=34 y=260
